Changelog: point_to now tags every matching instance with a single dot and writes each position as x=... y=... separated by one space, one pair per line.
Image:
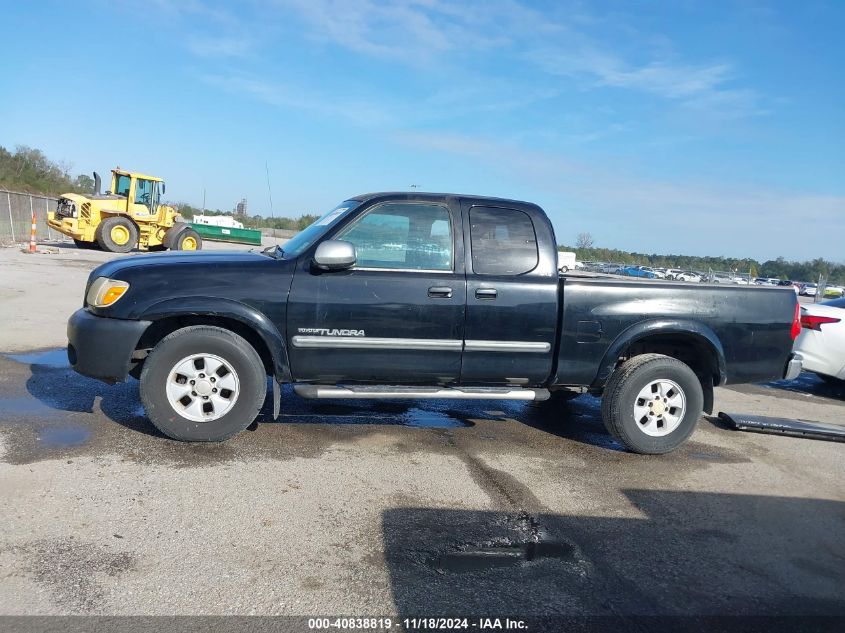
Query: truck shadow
x=56 y=386
x=679 y=560
x=810 y=383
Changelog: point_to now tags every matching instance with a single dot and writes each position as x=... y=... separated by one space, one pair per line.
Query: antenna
x=270 y=195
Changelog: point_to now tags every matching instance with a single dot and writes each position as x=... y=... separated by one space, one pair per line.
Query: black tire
x=183 y=240
x=623 y=388
x=115 y=223
x=203 y=339
x=88 y=246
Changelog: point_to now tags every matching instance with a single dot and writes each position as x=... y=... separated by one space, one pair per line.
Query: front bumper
x=67 y=226
x=793 y=366
x=100 y=347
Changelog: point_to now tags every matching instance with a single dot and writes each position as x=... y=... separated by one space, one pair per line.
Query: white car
x=822 y=339
x=656 y=272
x=673 y=273
x=688 y=276
x=809 y=290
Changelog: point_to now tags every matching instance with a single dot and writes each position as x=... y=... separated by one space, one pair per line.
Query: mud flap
x=784 y=426
x=277 y=398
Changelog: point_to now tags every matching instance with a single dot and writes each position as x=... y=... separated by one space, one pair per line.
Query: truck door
x=397 y=316
x=512 y=290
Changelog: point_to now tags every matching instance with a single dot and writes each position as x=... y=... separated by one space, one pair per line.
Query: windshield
x=302 y=240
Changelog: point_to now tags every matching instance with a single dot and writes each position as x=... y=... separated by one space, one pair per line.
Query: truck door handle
x=486 y=293
x=440 y=292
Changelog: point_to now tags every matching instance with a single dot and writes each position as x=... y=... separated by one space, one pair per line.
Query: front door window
x=402 y=236
x=144 y=193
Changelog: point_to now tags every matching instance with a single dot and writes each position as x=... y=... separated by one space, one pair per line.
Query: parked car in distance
x=716 y=278
x=688 y=276
x=822 y=339
x=635 y=271
x=833 y=292
x=672 y=273
x=809 y=290
x=654 y=271
x=785 y=283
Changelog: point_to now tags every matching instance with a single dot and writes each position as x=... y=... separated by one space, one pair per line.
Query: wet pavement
x=410 y=508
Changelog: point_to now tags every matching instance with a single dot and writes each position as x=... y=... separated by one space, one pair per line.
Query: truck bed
x=602 y=315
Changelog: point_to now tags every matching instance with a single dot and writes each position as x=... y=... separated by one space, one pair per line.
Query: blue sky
x=661 y=127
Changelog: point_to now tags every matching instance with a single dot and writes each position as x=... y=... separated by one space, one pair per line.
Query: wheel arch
x=171 y=315
x=691 y=342
x=112 y=213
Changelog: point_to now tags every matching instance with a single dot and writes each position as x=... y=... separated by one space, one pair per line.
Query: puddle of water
x=25 y=406
x=63 y=437
x=485 y=557
x=422 y=418
x=56 y=358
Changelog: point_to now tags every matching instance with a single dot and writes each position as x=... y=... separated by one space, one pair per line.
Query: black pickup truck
x=415 y=295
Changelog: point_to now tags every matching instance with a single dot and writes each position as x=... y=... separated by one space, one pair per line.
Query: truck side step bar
x=333 y=392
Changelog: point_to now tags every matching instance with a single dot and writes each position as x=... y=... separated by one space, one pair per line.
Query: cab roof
x=440 y=197
x=135 y=174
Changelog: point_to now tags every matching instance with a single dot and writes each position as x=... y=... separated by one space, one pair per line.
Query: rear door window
x=503 y=241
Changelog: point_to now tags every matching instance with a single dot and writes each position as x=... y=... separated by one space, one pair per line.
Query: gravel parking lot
x=395 y=508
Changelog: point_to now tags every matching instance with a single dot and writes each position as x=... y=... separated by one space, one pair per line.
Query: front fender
x=654 y=327
x=228 y=309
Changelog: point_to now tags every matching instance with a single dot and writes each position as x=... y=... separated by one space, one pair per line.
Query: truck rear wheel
x=117 y=235
x=203 y=384
x=652 y=403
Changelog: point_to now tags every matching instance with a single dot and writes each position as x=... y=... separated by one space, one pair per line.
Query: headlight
x=104 y=292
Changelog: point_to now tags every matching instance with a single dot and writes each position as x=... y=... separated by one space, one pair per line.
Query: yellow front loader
x=127 y=216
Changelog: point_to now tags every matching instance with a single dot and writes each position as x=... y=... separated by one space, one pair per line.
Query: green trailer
x=228 y=234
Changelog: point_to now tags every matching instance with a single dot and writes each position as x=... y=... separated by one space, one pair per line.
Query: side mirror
x=163 y=188
x=335 y=255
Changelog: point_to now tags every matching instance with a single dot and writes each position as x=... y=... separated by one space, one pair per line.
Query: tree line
x=250 y=221
x=779 y=268
x=29 y=170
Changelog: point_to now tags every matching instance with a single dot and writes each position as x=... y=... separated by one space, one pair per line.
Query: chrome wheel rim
x=202 y=387
x=660 y=407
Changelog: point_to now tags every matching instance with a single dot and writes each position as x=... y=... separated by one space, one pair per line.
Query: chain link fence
x=16 y=209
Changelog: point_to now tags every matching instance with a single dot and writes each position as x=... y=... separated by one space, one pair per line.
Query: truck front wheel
x=203 y=384
x=652 y=403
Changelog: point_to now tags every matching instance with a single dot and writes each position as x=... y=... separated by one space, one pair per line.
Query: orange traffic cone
x=32 y=247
